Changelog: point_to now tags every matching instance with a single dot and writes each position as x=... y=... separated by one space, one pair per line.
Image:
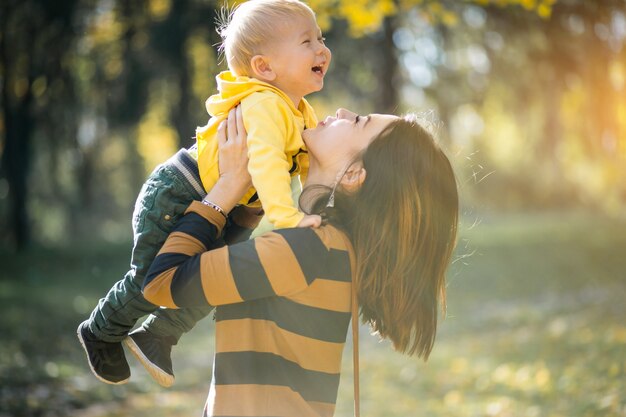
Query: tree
x=32 y=37
x=75 y=74
x=542 y=66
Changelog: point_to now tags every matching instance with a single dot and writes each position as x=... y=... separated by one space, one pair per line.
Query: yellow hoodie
x=274 y=127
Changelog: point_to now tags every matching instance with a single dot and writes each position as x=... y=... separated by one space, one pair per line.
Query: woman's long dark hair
x=402 y=223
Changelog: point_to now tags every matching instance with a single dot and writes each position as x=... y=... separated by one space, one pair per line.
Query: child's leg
x=152 y=342
x=162 y=201
x=173 y=323
x=167 y=322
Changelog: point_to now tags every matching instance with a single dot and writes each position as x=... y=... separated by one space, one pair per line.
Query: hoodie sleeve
x=269 y=123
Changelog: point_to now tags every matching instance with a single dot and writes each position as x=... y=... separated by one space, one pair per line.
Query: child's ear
x=261 y=68
x=354 y=177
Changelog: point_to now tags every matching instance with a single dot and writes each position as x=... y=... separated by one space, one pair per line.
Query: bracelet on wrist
x=215 y=207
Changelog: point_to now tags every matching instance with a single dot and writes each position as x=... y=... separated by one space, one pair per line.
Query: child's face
x=298 y=58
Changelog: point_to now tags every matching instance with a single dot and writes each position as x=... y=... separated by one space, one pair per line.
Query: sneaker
x=154 y=353
x=106 y=360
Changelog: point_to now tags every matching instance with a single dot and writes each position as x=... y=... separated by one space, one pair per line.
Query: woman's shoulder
x=323 y=252
x=325 y=238
x=333 y=238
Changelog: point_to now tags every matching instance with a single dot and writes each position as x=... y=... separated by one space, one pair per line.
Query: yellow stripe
x=331 y=237
x=208 y=213
x=265 y=336
x=217 y=278
x=284 y=271
x=326 y=294
x=323 y=409
x=262 y=400
x=179 y=242
x=158 y=291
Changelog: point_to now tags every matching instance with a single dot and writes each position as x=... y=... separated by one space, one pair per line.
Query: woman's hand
x=233 y=150
x=234 y=180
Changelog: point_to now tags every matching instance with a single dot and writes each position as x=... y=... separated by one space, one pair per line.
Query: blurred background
x=528 y=98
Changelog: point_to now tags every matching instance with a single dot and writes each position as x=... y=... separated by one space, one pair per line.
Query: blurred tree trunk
x=131 y=102
x=16 y=102
x=552 y=68
x=170 y=41
x=552 y=134
x=37 y=99
x=171 y=37
x=181 y=114
x=602 y=120
x=388 y=74
x=445 y=101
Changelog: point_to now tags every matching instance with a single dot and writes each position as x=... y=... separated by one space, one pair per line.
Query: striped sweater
x=282 y=312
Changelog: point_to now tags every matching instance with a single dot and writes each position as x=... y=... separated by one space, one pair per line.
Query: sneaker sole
x=93 y=371
x=159 y=375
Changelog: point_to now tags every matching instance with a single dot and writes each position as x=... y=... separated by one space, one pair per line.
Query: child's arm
x=269 y=127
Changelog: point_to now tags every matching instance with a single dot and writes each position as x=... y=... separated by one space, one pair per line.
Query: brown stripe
x=208 y=213
x=323 y=409
x=326 y=294
x=260 y=400
x=280 y=264
x=217 y=279
x=332 y=238
x=158 y=291
x=265 y=336
x=182 y=243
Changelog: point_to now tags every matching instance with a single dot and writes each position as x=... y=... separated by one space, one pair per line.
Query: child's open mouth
x=319 y=69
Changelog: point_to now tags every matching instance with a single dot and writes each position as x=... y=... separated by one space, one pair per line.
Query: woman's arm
x=234 y=180
x=186 y=273
x=279 y=263
x=196 y=233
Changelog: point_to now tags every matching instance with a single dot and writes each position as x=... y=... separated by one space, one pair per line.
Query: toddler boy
x=276 y=56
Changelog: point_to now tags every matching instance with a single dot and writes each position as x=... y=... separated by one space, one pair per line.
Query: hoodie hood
x=232 y=89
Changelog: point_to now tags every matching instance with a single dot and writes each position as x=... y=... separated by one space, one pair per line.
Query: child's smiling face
x=298 y=57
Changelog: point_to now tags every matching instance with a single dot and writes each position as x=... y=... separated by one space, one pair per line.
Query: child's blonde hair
x=252 y=24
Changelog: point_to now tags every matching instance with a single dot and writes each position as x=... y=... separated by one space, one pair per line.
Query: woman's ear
x=354 y=177
x=261 y=68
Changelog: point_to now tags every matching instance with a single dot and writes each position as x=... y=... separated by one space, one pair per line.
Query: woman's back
x=283 y=305
x=282 y=355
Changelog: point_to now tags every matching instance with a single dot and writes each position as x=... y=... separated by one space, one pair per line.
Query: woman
x=389 y=199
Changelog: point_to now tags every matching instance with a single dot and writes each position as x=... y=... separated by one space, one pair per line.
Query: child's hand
x=311 y=220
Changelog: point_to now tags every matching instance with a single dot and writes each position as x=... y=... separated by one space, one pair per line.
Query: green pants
x=162 y=201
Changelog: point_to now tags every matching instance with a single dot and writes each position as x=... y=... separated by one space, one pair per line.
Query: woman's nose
x=345 y=114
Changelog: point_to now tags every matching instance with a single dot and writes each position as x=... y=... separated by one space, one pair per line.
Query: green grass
x=536 y=326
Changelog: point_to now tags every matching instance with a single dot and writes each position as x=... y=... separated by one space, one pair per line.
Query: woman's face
x=335 y=142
